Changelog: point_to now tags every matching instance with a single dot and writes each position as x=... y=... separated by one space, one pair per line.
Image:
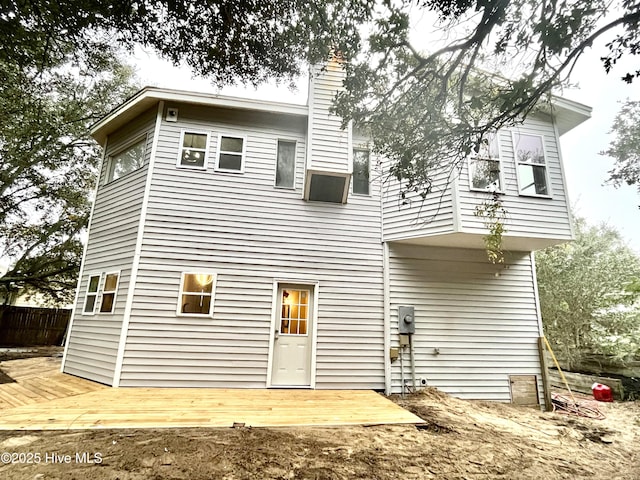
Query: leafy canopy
x=625 y=147
x=589 y=293
x=426 y=110
x=48 y=163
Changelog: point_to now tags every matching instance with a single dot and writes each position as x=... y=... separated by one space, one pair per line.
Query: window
x=91 y=295
x=294 y=317
x=286 y=164
x=196 y=294
x=361 y=172
x=531 y=164
x=230 y=154
x=484 y=166
x=193 y=150
x=126 y=161
x=331 y=188
x=109 y=292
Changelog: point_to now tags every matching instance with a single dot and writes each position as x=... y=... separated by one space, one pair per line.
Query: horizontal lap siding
x=251 y=233
x=412 y=216
x=526 y=216
x=93 y=340
x=485 y=326
x=329 y=149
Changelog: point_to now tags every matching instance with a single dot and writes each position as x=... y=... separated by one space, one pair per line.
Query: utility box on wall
x=406 y=320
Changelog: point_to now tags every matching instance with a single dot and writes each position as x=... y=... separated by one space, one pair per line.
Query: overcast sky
x=585 y=169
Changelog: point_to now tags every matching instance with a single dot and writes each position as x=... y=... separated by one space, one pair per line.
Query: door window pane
x=294 y=312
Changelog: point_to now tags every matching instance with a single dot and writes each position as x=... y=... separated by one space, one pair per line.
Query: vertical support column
x=545 y=375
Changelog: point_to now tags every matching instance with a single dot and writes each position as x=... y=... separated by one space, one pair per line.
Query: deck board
x=45 y=399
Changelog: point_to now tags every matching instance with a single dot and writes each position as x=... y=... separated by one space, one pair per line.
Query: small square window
x=361 y=172
x=532 y=165
x=126 y=161
x=92 y=294
x=230 y=154
x=484 y=166
x=196 y=294
x=286 y=164
x=109 y=292
x=193 y=150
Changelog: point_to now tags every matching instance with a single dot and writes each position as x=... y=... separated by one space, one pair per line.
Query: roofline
x=568 y=114
x=149 y=96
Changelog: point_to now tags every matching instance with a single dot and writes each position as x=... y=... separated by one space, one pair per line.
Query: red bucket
x=602 y=393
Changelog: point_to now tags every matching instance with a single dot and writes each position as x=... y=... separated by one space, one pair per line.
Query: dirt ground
x=461 y=440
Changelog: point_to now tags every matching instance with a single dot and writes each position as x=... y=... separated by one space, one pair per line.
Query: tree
x=625 y=147
x=48 y=164
x=426 y=111
x=589 y=293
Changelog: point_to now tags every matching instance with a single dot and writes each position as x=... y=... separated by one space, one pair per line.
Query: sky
x=585 y=169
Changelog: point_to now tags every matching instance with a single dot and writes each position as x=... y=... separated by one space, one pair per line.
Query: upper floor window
x=109 y=290
x=286 y=164
x=91 y=295
x=196 y=294
x=484 y=166
x=193 y=150
x=230 y=154
x=531 y=164
x=127 y=160
x=361 y=172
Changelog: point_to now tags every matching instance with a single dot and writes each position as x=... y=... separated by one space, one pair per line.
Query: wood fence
x=24 y=326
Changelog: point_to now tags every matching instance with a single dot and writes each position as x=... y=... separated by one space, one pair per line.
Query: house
x=243 y=243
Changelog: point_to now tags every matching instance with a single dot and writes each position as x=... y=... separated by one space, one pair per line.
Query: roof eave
x=568 y=114
x=150 y=96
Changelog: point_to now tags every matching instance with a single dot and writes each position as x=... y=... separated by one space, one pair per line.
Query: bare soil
x=461 y=440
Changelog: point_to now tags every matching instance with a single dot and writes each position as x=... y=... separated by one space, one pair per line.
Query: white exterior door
x=292 y=337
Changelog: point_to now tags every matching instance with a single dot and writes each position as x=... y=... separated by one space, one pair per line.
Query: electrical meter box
x=406 y=320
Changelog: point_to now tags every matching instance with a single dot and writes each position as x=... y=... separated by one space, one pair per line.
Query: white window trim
x=181 y=148
x=295 y=158
x=96 y=293
x=140 y=138
x=219 y=151
x=500 y=172
x=546 y=165
x=114 y=291
x=181 y=292
x=353 y=175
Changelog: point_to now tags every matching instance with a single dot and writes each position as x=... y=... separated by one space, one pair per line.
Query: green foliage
x=426 y=110
x=48 y=165
x=495 y=216
x=625 y=147
x=588 y=293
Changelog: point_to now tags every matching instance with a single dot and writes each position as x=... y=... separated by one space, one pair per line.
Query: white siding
x=251 y=233
x=526 y=216
x=93 y=340
x=330 y=146
x=414 y=216
x=485 y=326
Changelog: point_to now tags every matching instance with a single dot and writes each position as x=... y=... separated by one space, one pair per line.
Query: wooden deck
x=44 y=399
